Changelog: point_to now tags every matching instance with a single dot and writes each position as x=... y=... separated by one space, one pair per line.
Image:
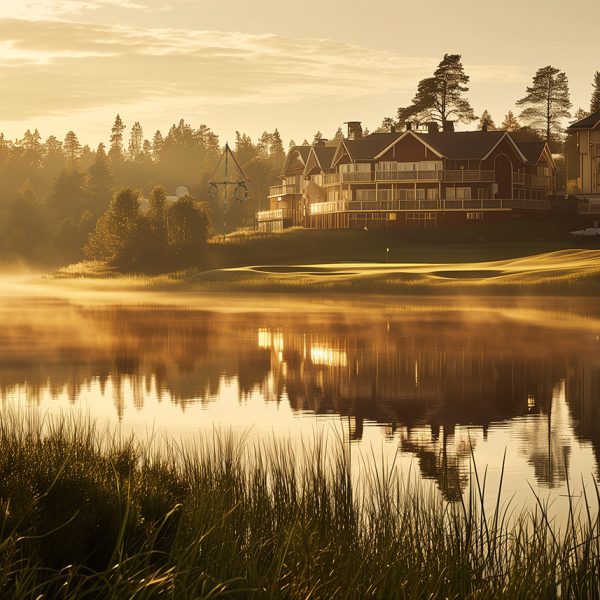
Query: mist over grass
x=88 y=514
x=563 y=272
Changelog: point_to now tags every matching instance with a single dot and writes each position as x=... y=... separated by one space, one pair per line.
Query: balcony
x=536 y=181
x=278 y=214
x=403 y=176
x=592 y=207
x=351 y=177
x=529 y=204
x=405 y=205
x=469 y=175
x=284 y=190
x=408 y=175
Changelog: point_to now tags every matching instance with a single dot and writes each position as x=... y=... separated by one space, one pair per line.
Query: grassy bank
x=567 y=272
x=86 y=515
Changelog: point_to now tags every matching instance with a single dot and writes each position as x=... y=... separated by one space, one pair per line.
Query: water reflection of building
x=424 y=382
x=421 y=376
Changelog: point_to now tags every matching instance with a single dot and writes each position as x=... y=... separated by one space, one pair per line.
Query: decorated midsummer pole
x=240 y=193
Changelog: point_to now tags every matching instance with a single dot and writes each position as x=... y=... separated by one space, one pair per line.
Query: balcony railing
x=380 y=175
x=278 y=214
x=589 y=208
x=351 y=177
x=403 y=205
x=410 y=175
x=537 y=181
x=283 y=190
x=469 y=175
x=529 y=204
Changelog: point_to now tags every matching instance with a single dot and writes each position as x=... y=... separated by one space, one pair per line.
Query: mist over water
x=424 y=385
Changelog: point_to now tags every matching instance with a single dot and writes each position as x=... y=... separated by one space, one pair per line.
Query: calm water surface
x=418 y=381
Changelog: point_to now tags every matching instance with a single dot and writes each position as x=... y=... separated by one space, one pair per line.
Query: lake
x=434 y=387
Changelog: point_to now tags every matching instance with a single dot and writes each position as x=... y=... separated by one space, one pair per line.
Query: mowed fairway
x=552 y=270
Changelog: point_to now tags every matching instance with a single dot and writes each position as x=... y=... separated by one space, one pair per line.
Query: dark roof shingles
x=589 y=122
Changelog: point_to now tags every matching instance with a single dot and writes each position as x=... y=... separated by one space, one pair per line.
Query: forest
x=54 y=192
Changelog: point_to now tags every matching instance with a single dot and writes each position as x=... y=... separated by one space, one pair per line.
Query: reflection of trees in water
x=410 y=373
x=186 y=355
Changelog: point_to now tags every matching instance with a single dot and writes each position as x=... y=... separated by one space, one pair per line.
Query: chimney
x=354 y=130
x=433 y=127
x=320 y=142
x=392 y=129
x=408 y=125
x=448 y=126
x=484 y=127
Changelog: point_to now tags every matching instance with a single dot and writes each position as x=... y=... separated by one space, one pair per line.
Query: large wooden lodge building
x=587 y=131
x=414 y=178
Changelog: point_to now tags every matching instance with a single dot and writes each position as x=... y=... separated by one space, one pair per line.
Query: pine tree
x=116 y=139
x=157 y=144
x=339 y=134
x=510 y=122
x=100 y=182
x=595 y=103
x=72 y=149
x=291 y=144
x=441 y=97
x=136 y=141
x=486 y=122
x=318 y=138
x=547 y=103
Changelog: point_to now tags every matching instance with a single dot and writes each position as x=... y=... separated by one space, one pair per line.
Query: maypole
x=240 y=193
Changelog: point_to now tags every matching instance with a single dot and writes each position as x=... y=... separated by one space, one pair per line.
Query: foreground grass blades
x=85 y=514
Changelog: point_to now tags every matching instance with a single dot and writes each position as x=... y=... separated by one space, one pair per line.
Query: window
x=463 y=193
x=365 y=195
x=474 y=216
x=387 y=166
x=404 y=194
x=391 y=216
x=433 y=193
x=482 y=193
x=421 y=219
x=420 y=194
x=355 y=168
x=384 y=195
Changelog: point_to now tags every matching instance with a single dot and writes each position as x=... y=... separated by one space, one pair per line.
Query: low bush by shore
x=86 y=514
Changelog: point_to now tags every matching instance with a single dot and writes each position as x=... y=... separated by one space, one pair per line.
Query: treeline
x=53 y=192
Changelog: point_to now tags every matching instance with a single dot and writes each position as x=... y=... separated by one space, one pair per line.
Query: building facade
x=414 y=178
x=587 y=131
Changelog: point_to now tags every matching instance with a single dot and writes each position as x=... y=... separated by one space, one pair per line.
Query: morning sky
x=260 y=64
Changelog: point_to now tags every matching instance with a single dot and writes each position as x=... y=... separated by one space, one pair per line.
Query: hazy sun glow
x=73 y=64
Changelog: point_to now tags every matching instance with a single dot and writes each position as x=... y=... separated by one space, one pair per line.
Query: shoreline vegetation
x=88 y=514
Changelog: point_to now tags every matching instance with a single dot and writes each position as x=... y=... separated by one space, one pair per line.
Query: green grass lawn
x=453 y=260
x=451 y=244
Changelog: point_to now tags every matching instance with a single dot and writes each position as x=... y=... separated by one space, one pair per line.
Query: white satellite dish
x=181 y=191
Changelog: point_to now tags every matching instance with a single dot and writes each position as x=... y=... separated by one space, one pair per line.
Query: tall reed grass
x=86 y=514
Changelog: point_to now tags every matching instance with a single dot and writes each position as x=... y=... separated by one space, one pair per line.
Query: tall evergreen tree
x=116 y=139
x=441 y=97
x=157 y=144
x=547 y=103
x=72 y=149
x=595 y=102
x=136 y=141
x=510 y=122
x=486 y=121
x=100 y=182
